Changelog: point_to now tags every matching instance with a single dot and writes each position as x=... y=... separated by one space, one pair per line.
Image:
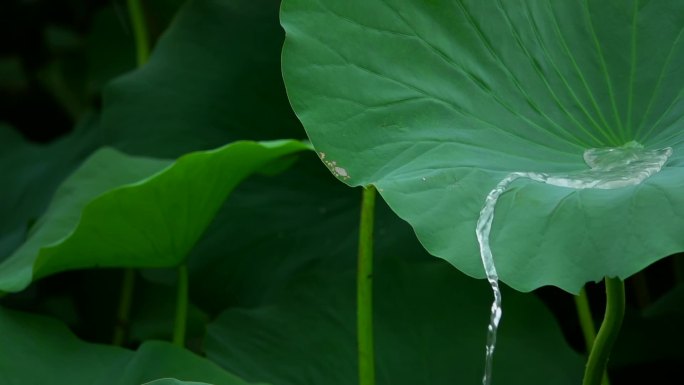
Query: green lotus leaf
x=154 y=360
x=39 y=349
x=435 y=102
x=293 y=222
x=428 y=321
x=212 y=78
x=108 y=45
x=306 y=225
x=124 y=211
x=173 y=381
x=30 y=173
x=44 y=351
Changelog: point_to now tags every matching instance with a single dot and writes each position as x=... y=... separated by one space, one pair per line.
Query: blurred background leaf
x=278 y=242
x=43 y=351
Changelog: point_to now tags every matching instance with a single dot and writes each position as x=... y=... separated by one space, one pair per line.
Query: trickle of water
x=609 y=168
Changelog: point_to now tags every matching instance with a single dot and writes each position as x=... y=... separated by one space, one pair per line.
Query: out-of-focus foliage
x=271 y=265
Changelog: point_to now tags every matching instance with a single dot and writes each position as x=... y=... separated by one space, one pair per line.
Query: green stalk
x=142 y=49
x=610 y=328
x=142 y=45
x=364 y=290
x=181 y=307
x=124 y=312
x=586 y=321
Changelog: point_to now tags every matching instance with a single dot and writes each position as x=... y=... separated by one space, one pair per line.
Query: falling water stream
x=609 y=168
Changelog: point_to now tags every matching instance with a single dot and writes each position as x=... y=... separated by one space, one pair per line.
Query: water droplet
x=609 y=168
x=341 y=172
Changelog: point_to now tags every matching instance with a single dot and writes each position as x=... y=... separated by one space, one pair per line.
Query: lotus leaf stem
x=607 y=335
x=124 y=312
x=586 y=321
x=142 y=45
x=364 y=290
x=179 y=325
x=137 y=17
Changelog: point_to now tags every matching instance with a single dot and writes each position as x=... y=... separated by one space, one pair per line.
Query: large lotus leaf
x=109 y=45
x=436 y=101
x=173 y=381
x=213 y=77
x=429 y=329
x=299 y=220
x=155 y=360
x=38 y=350
x=30 y=174
x=124 y=211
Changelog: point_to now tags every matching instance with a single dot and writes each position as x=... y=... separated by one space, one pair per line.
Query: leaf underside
x=123 y=211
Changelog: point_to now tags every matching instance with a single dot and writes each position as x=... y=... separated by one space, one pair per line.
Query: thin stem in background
x=179 y=325
x=364 y=290
x=586 y=321
x=610 y=328
x=142 y=49
x=142 y=45
x=124 y=312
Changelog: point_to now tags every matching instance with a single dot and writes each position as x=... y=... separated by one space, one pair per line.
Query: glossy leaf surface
x=435 y=102
x=123 y=211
